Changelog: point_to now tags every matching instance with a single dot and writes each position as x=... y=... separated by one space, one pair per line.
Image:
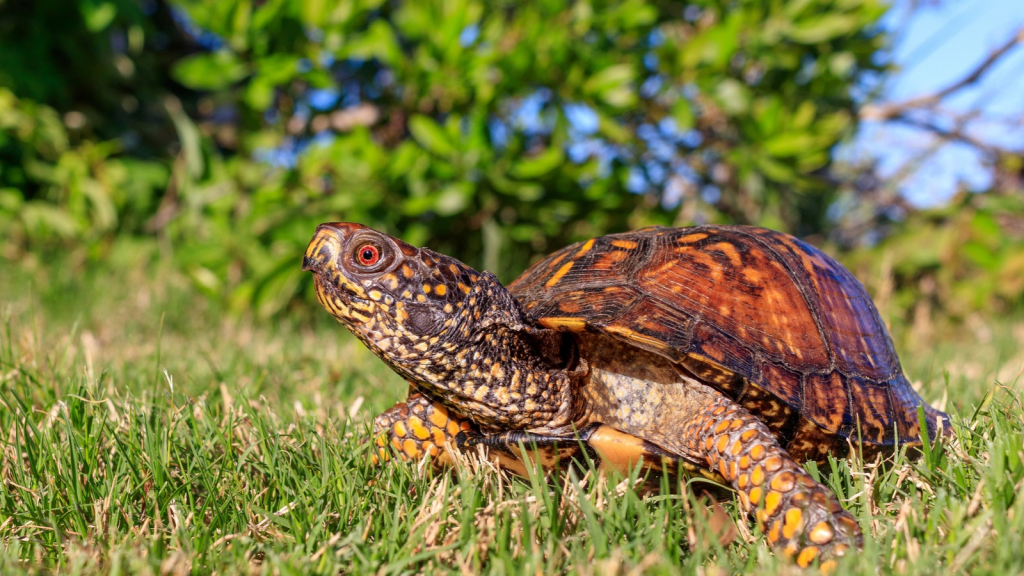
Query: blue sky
x=936 y=46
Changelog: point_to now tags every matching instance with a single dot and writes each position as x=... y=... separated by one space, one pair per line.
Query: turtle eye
x=367 y=255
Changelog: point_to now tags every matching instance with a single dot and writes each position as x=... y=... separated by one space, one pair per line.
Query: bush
x=494 y=132
x=950 y=263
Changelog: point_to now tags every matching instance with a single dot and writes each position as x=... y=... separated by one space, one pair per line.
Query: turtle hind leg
x=800 y=517
x=417 y=428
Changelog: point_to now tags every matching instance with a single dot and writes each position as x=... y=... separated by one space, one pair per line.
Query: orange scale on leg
x=757 y=452
x=757 y=476
x=411 y=449
x=755 y=495
x=794 y=522
x=772 y=502
x=723 y=442
x=806 y=556
x=437 y=418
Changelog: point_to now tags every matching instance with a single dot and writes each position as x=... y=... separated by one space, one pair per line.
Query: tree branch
x=956 y=133
x=881 y=112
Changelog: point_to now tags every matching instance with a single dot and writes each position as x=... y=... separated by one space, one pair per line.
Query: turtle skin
x=730 y=352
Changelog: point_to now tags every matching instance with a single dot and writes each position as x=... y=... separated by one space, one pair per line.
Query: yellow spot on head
x=440 y=290
x=390 y=279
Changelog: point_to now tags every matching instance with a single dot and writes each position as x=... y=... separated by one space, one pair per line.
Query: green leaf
x=377 y=42
x=733 y=95
x=453 y=198
x=775 y=170
x=11 y=200
x=190 y=139
x=612 y=85
x=430 y=135
x=612 y=130
x=790 y=144
x=539 y=165
x=97 y=15
x=683 y=114
x=214 y=71
x=823 y=29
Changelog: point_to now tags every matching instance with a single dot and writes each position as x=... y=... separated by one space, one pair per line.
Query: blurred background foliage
x=216 y=135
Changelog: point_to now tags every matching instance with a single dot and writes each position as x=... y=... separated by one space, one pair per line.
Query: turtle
x=731 y=352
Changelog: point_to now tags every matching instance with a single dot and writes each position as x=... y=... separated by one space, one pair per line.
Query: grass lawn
x=143 y=432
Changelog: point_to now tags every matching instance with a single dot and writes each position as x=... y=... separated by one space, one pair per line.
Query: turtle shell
x=771 y=321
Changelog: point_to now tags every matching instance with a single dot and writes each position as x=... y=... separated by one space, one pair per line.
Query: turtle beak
x=327 y=244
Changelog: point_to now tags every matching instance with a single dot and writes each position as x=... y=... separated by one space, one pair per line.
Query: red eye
x=367 y=255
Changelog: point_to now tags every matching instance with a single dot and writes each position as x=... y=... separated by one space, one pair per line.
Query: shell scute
x=708 y=278
x=785 y=383
x=872 y=411
x=859 y=341
x=824 y=394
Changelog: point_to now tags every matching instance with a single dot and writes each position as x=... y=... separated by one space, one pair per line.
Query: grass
x=144 y=433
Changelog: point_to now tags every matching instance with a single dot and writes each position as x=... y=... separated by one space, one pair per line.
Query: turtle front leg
x=800 y=517
x=417 y=428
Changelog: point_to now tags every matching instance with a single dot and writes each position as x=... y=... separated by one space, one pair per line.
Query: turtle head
x=444 y=326
x=407 y=304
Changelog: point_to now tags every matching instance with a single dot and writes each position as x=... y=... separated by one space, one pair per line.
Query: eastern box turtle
x=730 y=351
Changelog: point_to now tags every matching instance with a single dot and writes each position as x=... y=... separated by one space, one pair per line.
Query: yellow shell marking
x=565 y=323
x=636 y=336
x=692 y=238
x=585 y=248
x=558 y=275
